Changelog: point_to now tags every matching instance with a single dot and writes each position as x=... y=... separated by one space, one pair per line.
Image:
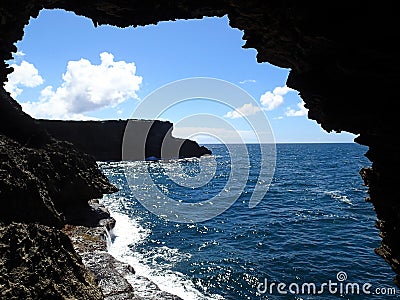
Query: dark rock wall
x=104 y=139
x=342 y=57
x=99 y=139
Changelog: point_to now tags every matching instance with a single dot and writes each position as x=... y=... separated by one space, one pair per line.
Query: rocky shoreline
x=110 y=274
x=47 y=188
x=44 y=185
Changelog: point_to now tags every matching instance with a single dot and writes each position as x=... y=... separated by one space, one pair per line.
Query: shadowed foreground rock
x=42 y=179
x=39 y=262
x=49 y=185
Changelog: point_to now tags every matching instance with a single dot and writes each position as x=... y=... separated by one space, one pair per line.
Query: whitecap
x=337 y=195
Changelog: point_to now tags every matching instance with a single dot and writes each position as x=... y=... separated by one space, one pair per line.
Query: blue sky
x=65 y=68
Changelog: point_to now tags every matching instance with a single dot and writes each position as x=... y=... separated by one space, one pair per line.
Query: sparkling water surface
x=312 y=224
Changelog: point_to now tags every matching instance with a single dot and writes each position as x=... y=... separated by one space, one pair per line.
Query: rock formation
x=143 y=139
x=44 y=183
x=39 y=262
x=342 y=60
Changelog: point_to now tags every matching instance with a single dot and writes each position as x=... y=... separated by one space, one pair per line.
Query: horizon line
x=280 y=143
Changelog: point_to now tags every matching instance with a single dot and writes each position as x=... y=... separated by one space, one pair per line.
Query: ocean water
x=312 y=228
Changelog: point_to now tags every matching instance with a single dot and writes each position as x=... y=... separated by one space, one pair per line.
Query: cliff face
x=117 y=140
x=340 y=53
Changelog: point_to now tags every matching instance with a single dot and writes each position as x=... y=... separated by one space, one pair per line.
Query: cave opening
x=48 y=93
x=62 y=73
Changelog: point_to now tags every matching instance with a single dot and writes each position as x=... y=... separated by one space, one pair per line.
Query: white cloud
x=302 y=111
x=247 y=81
x=87 y=87
x=282 y=90
x=24 y=75
x=247 y=109
x=19 y=54
x=271 y=100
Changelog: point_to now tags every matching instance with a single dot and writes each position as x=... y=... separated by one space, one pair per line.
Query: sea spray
x=148 y=277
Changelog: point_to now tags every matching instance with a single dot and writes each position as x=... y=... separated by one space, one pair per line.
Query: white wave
x=152 y=265
x=337 y=195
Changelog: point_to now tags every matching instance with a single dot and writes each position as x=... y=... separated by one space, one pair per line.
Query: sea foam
x=150 y=275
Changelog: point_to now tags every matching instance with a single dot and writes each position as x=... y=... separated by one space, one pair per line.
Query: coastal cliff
x=143 y=139
x=342 y=61
x=47 y=187
x=44 y=184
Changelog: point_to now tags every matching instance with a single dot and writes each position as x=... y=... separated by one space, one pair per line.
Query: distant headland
x=132 y=139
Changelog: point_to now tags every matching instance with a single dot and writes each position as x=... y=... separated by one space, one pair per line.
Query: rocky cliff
x=142 y=139
x=342 y=60
x=44 y=184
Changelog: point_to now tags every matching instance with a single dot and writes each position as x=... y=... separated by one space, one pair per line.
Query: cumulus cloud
x=271 y=100
x=24 y=75
x=302 y=111
x=87 y=87
x=247 y=109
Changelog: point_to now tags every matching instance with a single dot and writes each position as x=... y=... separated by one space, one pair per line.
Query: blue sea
x=312 y=228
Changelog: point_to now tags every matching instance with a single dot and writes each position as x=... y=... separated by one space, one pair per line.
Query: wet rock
x=91 y=244
x=113 y=276
x=110 y=275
